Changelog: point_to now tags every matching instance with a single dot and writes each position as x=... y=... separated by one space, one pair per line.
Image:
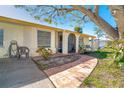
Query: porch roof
x=25 y=23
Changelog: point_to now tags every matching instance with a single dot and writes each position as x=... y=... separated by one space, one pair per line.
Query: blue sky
x=12 y=12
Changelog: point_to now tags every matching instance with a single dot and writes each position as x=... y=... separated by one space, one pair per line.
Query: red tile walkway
x=72 y=74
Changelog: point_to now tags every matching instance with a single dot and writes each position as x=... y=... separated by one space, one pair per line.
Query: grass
x=106 y=74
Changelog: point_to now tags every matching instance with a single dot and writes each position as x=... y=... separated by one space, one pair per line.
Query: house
x=33 y=35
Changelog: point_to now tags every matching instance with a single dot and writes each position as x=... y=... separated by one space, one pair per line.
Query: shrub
x=45 y=53
x=117 y=47
x=81 y=49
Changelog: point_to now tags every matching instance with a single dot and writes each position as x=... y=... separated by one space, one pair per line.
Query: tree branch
x=76 y=7
x=58 y=11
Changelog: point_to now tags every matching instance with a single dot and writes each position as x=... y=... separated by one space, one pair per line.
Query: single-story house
x=33 y=35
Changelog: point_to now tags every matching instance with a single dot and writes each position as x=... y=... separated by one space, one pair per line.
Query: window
x=44 y=39
x=1 y=37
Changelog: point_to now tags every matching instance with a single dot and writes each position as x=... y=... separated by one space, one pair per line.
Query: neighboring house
x=35 y=35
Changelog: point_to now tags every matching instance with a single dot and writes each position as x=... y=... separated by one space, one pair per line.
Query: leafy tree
x=81 y=14
x=117 y=47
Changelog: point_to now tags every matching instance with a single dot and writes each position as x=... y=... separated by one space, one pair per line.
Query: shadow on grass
x=98 y=54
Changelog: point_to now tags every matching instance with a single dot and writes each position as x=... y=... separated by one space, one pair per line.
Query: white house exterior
x=34 y=35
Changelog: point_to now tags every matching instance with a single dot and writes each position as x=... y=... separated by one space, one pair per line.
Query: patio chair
x=23 y=51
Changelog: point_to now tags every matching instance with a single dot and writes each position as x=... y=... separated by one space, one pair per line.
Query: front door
x=71 y=43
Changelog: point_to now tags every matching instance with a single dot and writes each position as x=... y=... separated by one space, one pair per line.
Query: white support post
x=65 y=43
x=77 y=43
x=53 y=41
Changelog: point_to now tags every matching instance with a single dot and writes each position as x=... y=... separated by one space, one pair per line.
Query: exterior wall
x=86 y=40
x=27 y=36
x=11 y=32
x=91 y=43
x=65 y=42
x=30 y=39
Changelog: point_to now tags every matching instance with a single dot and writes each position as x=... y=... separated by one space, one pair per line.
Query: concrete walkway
x=72 y=74
x=22 y=73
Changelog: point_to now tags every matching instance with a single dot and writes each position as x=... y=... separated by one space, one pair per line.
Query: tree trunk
x=107 y=28
x=121 y=31
x=118 y=13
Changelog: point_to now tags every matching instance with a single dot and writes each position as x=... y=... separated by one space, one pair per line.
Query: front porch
x=69 y=42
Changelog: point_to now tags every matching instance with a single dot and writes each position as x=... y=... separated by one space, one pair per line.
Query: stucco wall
x=27 y=36
x=24 y=35
x=11 y=32
x=86 y=41
x=30 y=39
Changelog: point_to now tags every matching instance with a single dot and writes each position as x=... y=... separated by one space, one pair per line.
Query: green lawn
x=105 y=75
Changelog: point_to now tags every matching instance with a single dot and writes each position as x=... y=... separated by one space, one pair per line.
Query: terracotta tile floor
x=72 y=74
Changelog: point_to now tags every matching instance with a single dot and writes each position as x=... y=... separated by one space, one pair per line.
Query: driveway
x=22 y=73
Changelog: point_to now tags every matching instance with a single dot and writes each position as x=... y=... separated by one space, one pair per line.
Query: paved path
x=72 y=74
x=22 y=73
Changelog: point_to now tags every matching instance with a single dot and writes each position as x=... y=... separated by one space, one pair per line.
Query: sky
x=88 y=28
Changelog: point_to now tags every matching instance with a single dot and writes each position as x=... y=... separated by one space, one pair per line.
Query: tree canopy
x=79 y=14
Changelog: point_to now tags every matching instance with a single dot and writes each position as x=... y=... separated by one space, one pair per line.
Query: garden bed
x=55 y=61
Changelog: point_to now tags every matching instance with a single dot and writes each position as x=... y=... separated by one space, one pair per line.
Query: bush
x=117 y=47
x=81 y=49
x=45 y=53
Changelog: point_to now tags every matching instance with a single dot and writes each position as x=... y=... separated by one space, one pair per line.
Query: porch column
x=65 y=42
x=77 y=43
x=92 y=44
x=53 y=41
